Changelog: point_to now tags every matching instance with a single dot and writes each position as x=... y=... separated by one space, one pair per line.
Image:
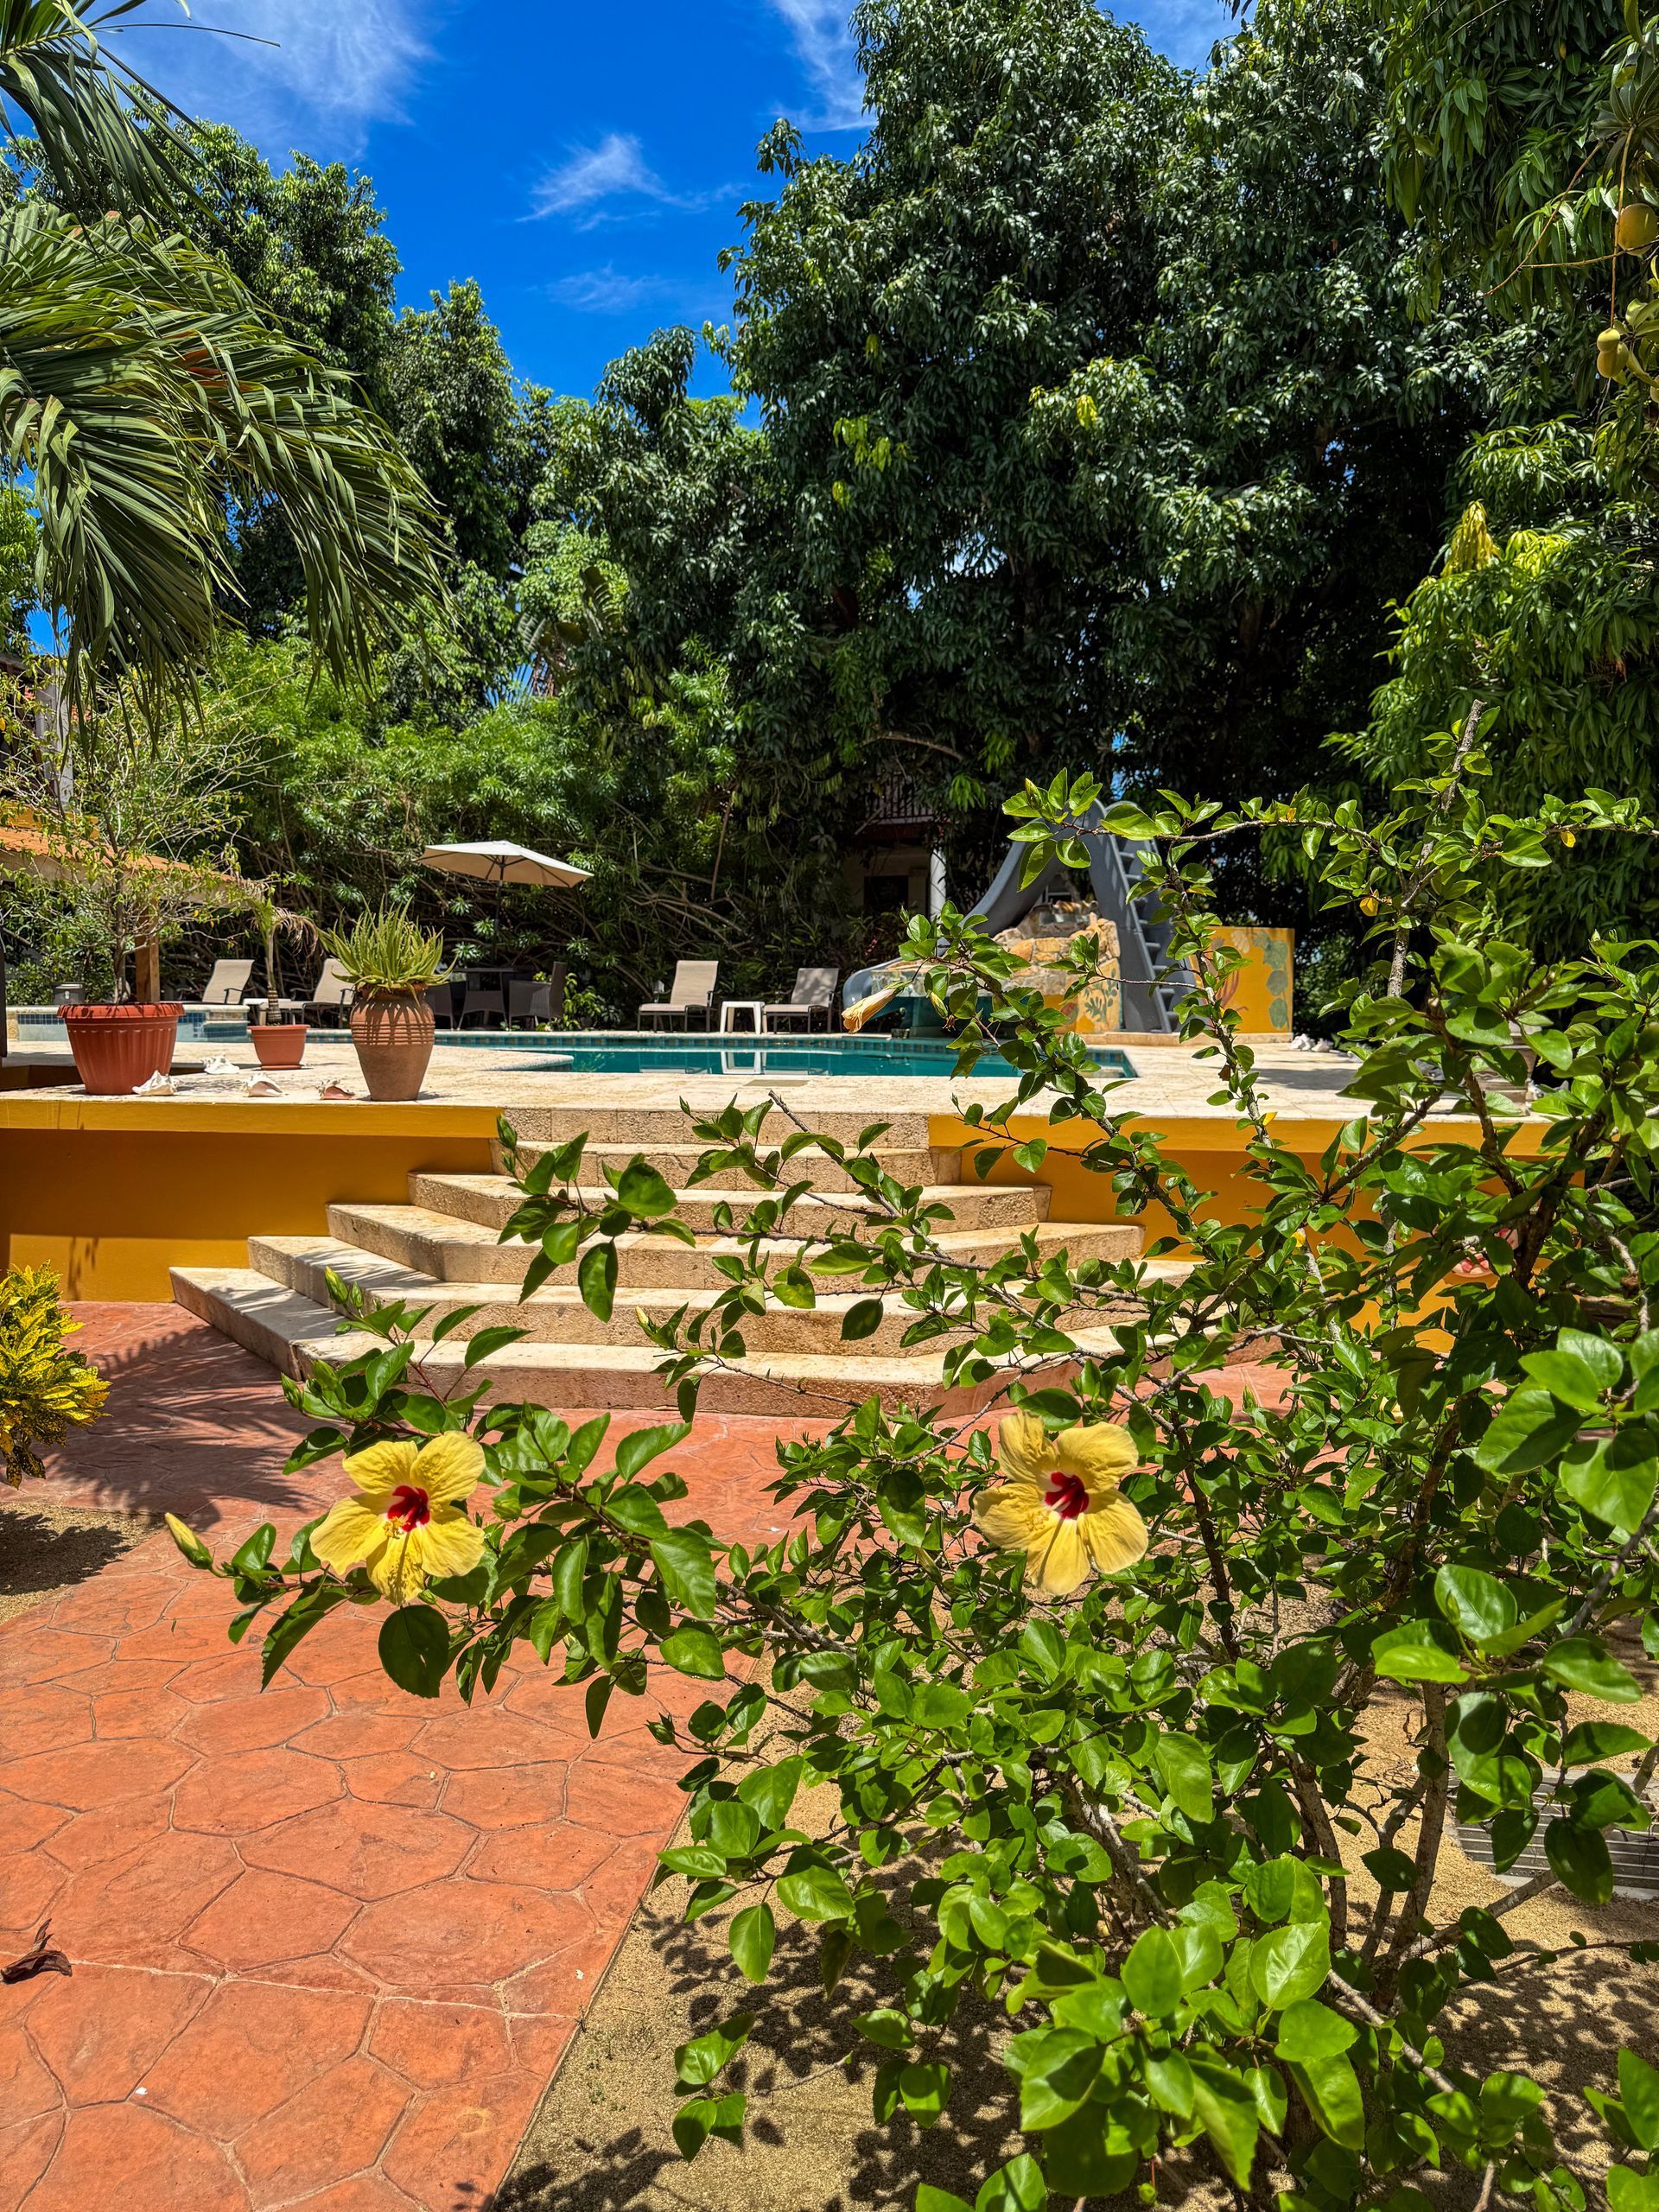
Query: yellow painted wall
x=1260 y=990
x=113 y=1198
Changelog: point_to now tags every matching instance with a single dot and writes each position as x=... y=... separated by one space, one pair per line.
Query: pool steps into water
x=442 y=1251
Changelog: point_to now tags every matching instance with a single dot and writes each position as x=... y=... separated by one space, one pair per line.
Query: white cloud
x=823 y=40
x=293 y=65
x=614 y=167
x=617 y=291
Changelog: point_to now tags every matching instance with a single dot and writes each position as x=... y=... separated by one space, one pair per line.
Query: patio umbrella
x=501 y=861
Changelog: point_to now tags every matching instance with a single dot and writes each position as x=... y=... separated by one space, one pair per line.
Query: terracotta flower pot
x=278 y=1044
x=119 y=1047
x=393 y=1036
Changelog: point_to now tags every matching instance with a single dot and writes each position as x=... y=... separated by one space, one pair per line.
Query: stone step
x=675 y=1163
x=490 y=1201
x=669 y=1125
x=457 y=1251
x=291 y=1332
x=300 y=1265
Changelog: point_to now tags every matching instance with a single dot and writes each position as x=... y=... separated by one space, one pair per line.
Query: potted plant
x=277 y=1043
x=131 y=813
x=391 y=963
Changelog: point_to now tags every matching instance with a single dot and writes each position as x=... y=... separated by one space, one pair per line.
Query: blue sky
x=583 y=163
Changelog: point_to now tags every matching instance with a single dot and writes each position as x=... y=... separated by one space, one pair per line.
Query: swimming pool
x=601 y=1052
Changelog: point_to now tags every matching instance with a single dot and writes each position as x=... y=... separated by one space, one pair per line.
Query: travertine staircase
x=441 y=1250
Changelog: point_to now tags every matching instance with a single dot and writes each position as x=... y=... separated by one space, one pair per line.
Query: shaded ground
x=45 y=1547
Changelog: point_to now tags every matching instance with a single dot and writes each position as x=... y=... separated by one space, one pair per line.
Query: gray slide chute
x=1153 y=985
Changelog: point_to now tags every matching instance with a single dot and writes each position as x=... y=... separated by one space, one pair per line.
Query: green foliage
x=1159 y=1825
x=386 y=955
x=45 y=1389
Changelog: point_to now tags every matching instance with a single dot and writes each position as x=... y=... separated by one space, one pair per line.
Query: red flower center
x=1065 y=1496
x=410 y=1508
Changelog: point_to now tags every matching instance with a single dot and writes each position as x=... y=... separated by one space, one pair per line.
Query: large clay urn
x=119 y=1047
x=392 y=1031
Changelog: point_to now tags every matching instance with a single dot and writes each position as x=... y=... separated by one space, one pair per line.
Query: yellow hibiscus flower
x=1060 y=1505
x=405 y=1523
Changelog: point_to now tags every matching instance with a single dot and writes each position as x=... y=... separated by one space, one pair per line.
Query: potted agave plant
x=277 y=1043
x=391 y=963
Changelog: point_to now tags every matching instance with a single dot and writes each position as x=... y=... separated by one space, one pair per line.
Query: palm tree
x=142 y=388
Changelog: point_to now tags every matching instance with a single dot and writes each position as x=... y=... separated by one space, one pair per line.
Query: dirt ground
x=45 y=1547
x=601 y=2141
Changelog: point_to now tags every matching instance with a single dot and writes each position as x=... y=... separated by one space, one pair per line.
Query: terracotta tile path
x=329 y=1942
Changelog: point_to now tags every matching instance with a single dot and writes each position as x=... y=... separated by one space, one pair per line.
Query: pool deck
x=1170 y=1082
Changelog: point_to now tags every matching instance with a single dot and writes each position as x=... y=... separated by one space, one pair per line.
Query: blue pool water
x=596 y=1052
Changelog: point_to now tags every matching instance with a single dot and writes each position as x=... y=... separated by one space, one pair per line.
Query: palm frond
x=141 y=389
x=79 y=96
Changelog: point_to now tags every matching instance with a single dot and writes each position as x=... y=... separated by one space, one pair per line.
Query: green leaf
x=754 y=1937
x=1594 y=1740
x=696 y=2121
x=1330 y=2089
x=693 y=1650
x=1077 y=2162
x=1477 y=1605
x=1152 y=1975
x=1419 y=1662
x=596 y=1279
x=1057 y=2069
x=1582 y=1663
x=1529 y=1429
x=793 y=1286
x=1613 y=1477
x=1227 y=2113
x=924 y=2086
x=644 y=1445
x=1580 y=1371
x=769 y=1791
x=699 y=2061
x=861 y=1318
x=1578 y=1857
x=682 y=1558
x=1389 y=1869
x=642 y=1190
x=1185 y=1765
x=1630 y=2192
x=814 y=1892
x=415 y=1649
x=891 y=2030
x=929 y=2199
x=489 y=1340
x=1290 y=1962
x=1309 y=2031
x=1638 y=2090
x=1017 y=2187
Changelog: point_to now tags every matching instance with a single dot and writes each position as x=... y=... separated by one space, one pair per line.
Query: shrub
x=1152 y=1814
x=45 y=1389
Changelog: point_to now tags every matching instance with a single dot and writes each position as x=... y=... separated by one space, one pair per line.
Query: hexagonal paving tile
x=502 y=1797
x=131 y=1909
x=101 y=2031
x=127 y=2155
x=252 y=2046
x=252 y=1791
x=367 y=1851
x=463 y=1932
x=264 y=1919
x=84 y=1775
x=337 y=2126
x=247 y=1724
x=435 y=2046
x=490 y=1737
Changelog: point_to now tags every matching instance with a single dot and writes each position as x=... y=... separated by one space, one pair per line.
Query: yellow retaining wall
x=114 y=1193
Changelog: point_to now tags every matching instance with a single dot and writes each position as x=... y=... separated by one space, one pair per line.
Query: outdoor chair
x=441 y=997
x=535 y=1002
x=484 y=998
x=693 y=992
x=331 y=993
x=229 y=980
x=814 y=994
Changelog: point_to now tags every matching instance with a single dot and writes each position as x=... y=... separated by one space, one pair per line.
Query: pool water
x=596 y=1052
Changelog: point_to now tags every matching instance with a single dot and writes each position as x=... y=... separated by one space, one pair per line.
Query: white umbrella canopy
x=499 y=860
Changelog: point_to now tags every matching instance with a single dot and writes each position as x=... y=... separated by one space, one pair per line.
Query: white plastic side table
x=753 y=1007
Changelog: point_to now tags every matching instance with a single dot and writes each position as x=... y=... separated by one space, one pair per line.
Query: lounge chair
x=693 y=992
x=441 y=997
x=331 y=993
x=229 y=980
x=814 y=994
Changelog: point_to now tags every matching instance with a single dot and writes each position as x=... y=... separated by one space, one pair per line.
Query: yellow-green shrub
x=45 y=1389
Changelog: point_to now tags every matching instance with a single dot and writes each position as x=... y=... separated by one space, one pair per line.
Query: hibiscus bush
x=1152 y=1707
